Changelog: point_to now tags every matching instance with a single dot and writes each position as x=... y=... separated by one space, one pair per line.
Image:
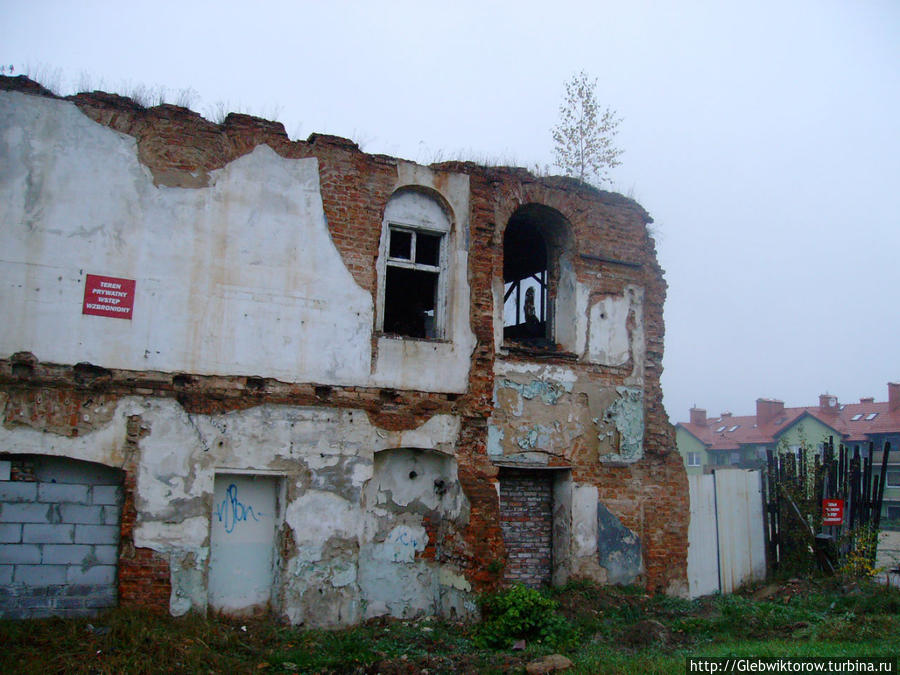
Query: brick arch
x=538 y=261
x=512 y=201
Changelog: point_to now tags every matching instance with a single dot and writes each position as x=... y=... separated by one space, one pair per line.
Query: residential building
x=706 y=444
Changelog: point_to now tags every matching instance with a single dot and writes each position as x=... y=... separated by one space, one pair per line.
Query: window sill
x=408 y=338
x=537 y=351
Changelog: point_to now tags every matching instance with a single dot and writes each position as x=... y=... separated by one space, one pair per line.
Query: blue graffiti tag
x=232 y=511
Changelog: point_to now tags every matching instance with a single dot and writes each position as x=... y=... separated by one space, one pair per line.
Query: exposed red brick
x=611 y=238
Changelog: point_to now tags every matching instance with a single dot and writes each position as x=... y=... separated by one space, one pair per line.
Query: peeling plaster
x=617 y=332
x=361 y=534
x=548 y=392
x=551 y=410
x=495 y=440
x=627 y=413
x=584 y=520
x=105 y=444
x=247 y=260
x=353 y=510
x=618 y=548
x=447 y=577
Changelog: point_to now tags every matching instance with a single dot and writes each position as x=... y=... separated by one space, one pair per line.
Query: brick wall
x=526 y=517
x=613 y=249
x=144 y=579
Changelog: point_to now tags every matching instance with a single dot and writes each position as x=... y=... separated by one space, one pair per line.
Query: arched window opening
x=413 y=267
x=537 y=277
x=525 y=282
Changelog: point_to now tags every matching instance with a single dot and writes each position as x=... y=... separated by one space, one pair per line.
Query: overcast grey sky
x=763 y=138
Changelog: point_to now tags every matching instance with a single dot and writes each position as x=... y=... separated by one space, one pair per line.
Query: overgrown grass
x=621 y=630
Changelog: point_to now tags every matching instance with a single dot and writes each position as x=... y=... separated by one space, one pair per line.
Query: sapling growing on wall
x=584 y=138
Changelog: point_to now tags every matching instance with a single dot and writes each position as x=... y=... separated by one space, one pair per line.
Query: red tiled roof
x=730 y=432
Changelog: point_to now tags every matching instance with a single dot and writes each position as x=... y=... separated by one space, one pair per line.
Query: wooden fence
x=821 y=502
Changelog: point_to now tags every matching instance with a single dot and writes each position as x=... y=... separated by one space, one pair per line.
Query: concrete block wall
x=59 y=545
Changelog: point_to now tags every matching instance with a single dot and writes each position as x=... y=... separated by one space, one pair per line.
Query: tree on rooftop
x=584 y=138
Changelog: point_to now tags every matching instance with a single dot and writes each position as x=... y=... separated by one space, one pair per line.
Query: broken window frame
x=440 y=270
x=541 y=305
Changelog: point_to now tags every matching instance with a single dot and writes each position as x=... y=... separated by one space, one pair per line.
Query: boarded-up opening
x=59 y=536
x=242 y=560
x=526 y=519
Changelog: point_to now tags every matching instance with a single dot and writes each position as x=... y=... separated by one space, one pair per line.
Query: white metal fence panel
x=726 y=535
x=739 y=512
x=703 y=564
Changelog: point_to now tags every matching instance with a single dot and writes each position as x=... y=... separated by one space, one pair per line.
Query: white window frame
x=887 y=479
x=385 y=261
x=693 y=459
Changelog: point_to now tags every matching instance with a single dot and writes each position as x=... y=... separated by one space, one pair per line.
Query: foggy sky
x=762 y=137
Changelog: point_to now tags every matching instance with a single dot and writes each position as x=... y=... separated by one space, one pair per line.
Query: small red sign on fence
x=108 y=296
x=832 y=511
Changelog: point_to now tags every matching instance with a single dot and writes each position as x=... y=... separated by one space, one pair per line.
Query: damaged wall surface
x=323 y=378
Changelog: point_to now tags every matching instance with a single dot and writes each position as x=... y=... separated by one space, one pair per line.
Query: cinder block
x=53 y=590
x=106 y=555
x=70 y=603
x=38 y=613
x=15 y=614
x=65 y=554
x=78 y=513
x=17 y=491
x=48 y=534
x=98 y=574
x=39 y=575
x=96 y=534
x=73 y=613
x=36 y=601
x=20 y=554
x=107 y=494
x=10 y=533
x=6 y=576
x=111 y=515
x=103 y=597
x=25 y=513
x=68 y=493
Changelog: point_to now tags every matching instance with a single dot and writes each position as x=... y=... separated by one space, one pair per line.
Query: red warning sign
x=108 y=296
x=832 y=511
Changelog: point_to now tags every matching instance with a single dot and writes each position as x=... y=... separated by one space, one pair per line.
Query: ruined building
x=240 y=372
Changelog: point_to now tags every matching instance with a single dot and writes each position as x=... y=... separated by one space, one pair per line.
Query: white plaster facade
x=223 y=287
x=240 y=277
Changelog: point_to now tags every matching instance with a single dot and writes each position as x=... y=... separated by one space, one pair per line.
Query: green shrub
x=519 y=613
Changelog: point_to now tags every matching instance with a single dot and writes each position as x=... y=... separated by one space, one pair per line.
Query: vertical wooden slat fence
x=794 y=491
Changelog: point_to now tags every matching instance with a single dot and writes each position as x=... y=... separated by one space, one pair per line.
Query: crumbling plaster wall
x=594 y=403
x=612 y=349
x=237 y=276
x=366 y=511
